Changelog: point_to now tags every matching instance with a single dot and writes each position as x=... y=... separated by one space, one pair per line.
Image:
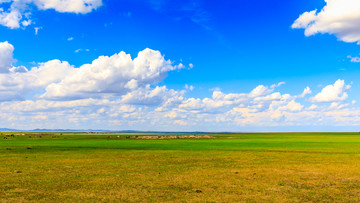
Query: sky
x=180 y=65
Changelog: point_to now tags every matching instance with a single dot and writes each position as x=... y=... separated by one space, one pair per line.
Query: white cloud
x=70 y=39
x=332 y=93
x=337 y=105
x=19 y=69
x=119 y=92
x=157 y=108
x=180 y=122
x=354 y=59
x=68 y=6
x=151 y=97
x=20 y=82
x=338 y=17
x=189 y=87
x=6 y=56
x=313 y=107
x=19 y=12
x=106 y=76
x=269 y=97
x=259 y=98
x=115 y=75
x=277 y=85
x=11 y=18
x=79 y=50
x=37 y=30
x=260 y=91
x=306 y=91
x=292 y=106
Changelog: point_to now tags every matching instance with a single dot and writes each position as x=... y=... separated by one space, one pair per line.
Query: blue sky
x=215 y=48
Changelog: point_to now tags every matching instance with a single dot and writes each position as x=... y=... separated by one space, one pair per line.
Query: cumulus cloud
x=119 y=92
x=260 y=91
x=19 y=82
x=19 y=12
x=313 y=107
x=153 y=97
x=11 y=18
x=332 y=93
x=162 y=108
x=338 y=17
x=337 y=105
x=259 y=98
x=69 y=6
x=6 y=56
x=292 y=106
x=117 y=74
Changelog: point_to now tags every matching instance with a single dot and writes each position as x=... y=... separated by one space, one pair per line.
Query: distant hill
x=92 y=130
x=8 y=130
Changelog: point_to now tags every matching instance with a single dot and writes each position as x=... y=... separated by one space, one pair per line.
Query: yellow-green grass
x=271 y=167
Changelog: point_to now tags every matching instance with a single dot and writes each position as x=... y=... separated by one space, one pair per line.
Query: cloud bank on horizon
x=122 y=91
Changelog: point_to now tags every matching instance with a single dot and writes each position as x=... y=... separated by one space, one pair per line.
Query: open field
x=273 y=167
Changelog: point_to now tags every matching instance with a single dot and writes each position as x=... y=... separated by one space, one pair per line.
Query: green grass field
x=254 y=167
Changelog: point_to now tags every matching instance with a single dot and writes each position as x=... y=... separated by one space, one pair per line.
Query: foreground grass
x=233 y=167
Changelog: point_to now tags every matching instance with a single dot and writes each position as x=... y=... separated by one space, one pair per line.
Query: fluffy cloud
x=332 y=93
x=165 y=109
x=11 y=18
x=338 y=17
x=259 y=91
x=152 y=97
x=292 y=106
x=6 y=56
x=259 y=99
x=118 y=92
x=19 y=82
x=70 y=6
x=115 y=75
x=19 y=11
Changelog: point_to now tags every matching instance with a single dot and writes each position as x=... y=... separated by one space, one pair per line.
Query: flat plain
x=244 y=167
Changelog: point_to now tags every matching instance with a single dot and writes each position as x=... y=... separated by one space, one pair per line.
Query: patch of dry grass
x=156 y=175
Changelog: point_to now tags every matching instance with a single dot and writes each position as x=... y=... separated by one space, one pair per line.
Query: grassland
x=271 y=167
